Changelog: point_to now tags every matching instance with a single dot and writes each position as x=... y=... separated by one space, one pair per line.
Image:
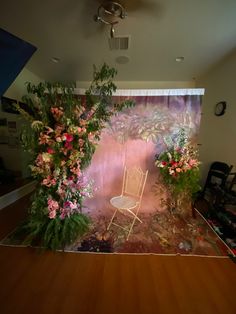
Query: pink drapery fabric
x=133 y=138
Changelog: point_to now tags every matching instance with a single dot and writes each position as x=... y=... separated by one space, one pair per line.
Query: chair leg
x=139 y=219
x=131 y=228
x=135 y=217
x=112 y=219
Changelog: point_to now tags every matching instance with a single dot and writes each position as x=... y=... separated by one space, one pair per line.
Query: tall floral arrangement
x=179 y=167
x=62 y=135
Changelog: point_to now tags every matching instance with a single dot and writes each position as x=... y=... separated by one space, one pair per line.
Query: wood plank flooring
x=34 y=282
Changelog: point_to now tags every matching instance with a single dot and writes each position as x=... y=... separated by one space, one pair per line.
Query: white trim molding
x=152 y=92
x=15 y=195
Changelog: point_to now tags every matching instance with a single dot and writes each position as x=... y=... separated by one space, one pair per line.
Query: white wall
x=218 y=134
x=18 y=87
x=15 y=158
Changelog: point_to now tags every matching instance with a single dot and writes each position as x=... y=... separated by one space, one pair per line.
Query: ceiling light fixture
x=55 y=60
x=110 y=13
x=179 y=59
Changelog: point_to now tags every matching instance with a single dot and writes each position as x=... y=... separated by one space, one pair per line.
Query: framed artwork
x=8 y=105
x=3 y=131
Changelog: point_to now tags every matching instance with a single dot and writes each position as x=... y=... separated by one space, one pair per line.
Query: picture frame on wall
x=3 y=131
x=8 y=105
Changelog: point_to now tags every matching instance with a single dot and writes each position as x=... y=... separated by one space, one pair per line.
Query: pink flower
x=193 y=162
x=50 y=150
x=59 y=129
x=43 y=138
x=58 y=139
x=39 y=160
x=76 y=171
x=68 y=137
x=48 y=181
x=68 y=145
x=52 y=205
x=173 y=163
x=90 y=136
x=178 y=170
x=46 y=157
x=70 y=204
x=82 y=122
x=61 y=192
x=81 y=142
x=171 y=172
x=52 y=214
x=45 y=182
x=57 y=112
x=49 y=130
x=63 y=215
x=63 y=163
x=90 y=114
x=53 y=181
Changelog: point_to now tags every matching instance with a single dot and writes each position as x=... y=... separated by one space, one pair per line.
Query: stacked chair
x=221 y=197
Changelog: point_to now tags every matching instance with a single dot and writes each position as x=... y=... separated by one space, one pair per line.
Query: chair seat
x=124 y=202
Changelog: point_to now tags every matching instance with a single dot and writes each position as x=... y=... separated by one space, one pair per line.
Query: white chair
x=129 y=202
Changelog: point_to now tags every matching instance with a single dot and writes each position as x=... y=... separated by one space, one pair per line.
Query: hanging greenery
x=62 y=135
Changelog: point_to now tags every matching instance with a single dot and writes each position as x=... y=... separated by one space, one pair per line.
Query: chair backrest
x=220 y=171
x=221 y=167
x=2 y=166
x=134 y=181
x=232 y=182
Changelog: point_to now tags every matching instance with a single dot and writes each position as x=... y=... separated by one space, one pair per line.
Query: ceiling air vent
x=118 y=43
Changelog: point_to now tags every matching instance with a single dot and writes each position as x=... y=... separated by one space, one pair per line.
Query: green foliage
x=61 y=132
x=42 y=97
x=55 y=233
x=179 y=167
x=187 y=182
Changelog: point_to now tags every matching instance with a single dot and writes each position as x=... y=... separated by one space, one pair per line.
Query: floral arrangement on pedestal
x=179 y=168
x=62 y=135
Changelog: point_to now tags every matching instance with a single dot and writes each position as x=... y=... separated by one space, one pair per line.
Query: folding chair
x=129 y=202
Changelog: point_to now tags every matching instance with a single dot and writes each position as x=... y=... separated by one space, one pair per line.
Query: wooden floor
x=33 y=282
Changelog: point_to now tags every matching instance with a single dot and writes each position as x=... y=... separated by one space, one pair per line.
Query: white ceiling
x=203 y=31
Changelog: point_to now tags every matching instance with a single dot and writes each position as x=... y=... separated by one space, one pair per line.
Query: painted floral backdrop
x=134 y=137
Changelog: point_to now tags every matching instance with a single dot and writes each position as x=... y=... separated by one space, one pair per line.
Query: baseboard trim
x=15 y=195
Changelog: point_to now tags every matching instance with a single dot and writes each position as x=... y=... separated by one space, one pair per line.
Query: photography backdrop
x=135 y=136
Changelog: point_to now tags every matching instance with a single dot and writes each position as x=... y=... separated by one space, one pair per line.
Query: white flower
x=58 y=139
x=46 y=157
x=36 y=125
x=169 y=156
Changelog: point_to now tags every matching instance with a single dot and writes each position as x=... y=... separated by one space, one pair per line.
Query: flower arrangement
x=179 y=167
x=62 y=135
